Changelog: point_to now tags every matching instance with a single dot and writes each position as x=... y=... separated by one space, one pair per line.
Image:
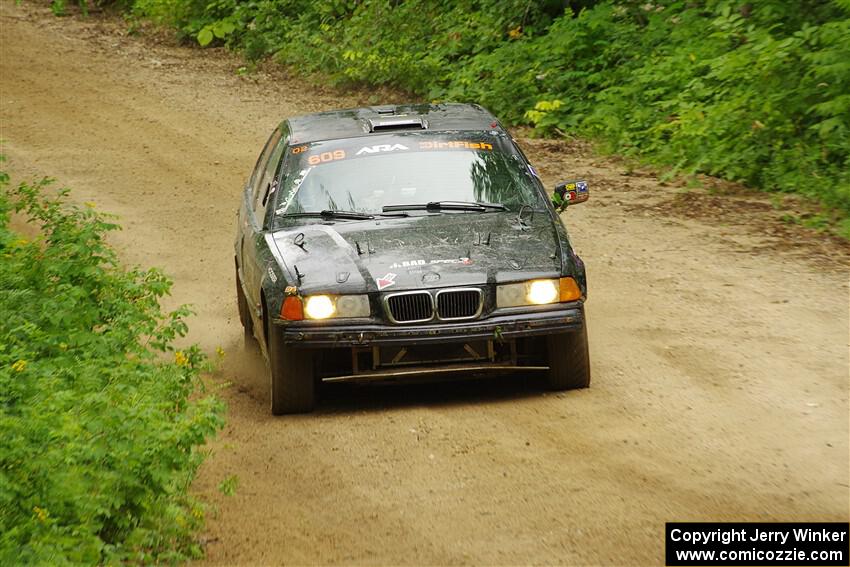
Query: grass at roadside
x=102 y=420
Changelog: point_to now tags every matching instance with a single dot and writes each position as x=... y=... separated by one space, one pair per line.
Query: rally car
x=394 y=242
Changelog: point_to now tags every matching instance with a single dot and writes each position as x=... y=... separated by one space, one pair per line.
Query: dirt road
x=720 y=363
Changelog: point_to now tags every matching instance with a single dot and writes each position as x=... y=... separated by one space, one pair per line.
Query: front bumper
x=570 y=317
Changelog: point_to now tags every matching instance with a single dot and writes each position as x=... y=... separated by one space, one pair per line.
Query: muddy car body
x=392 y=242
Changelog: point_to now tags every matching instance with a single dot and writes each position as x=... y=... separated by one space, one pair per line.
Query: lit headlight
x=537 y=292
x=542 y=291
x=327 y=306
x=319 y=307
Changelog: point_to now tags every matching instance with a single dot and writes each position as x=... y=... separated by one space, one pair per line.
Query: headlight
x=327 y=306
x=537 y=292
x=319 y=307
x=541 y=292
x=352 y=306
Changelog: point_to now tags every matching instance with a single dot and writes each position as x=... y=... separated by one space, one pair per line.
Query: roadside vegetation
x=753 y=91
x=102 y=420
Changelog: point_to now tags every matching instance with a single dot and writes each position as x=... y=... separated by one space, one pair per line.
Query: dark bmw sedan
x=387 y=243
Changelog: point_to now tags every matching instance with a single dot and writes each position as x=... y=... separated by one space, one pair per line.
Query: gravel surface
x=719 y=344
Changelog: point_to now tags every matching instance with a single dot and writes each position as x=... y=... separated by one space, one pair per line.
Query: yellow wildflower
x=40 y=513
x=515 y=33
x=181 y=358
x=220 y=352
x=19 y=366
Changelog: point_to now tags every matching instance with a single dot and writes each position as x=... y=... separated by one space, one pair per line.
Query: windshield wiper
x=447 y=206
x=328 y=214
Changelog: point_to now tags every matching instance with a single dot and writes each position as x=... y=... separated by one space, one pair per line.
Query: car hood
x=396 y=254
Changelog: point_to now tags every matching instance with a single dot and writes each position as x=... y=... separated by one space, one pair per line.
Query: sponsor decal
x=272 y=275
x=574 y=190
x=319 y=158
x=411 y=263
x=381 y=148
x=386 y=281
x=455 y=145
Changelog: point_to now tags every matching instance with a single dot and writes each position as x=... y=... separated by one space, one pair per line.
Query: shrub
x=99 y=433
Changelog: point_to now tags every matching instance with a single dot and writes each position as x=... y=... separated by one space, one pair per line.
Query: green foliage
x=99 y=433
x=754 y=91
x=220 y=29
x=229 y=485
x=60 y=7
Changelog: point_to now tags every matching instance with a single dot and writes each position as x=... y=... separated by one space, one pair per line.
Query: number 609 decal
x=326 y=157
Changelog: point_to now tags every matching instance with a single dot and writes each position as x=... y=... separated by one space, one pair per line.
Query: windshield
x=366 y=174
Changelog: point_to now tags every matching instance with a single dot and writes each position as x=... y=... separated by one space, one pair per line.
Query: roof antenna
x=357 y=245
x=298 y=274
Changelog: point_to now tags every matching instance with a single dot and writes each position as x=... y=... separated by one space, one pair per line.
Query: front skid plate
x=389 y=374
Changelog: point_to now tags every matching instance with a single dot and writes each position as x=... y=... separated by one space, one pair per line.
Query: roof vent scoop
x=397 y=123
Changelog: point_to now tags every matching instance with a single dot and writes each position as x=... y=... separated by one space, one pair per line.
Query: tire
x=293 y=388
x=244 y=312
x=569 y=360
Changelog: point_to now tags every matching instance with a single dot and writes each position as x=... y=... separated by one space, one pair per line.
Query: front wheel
x=569 y=360
x=293 y=388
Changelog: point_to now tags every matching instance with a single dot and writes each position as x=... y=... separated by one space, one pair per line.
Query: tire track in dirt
x=720 y=387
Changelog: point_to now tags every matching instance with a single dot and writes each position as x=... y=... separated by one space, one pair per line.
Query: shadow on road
x=346 y=398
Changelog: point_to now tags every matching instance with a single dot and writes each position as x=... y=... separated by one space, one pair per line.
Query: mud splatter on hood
x=394 y=254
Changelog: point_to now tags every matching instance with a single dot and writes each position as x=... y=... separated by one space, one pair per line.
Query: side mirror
x=569 y=193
